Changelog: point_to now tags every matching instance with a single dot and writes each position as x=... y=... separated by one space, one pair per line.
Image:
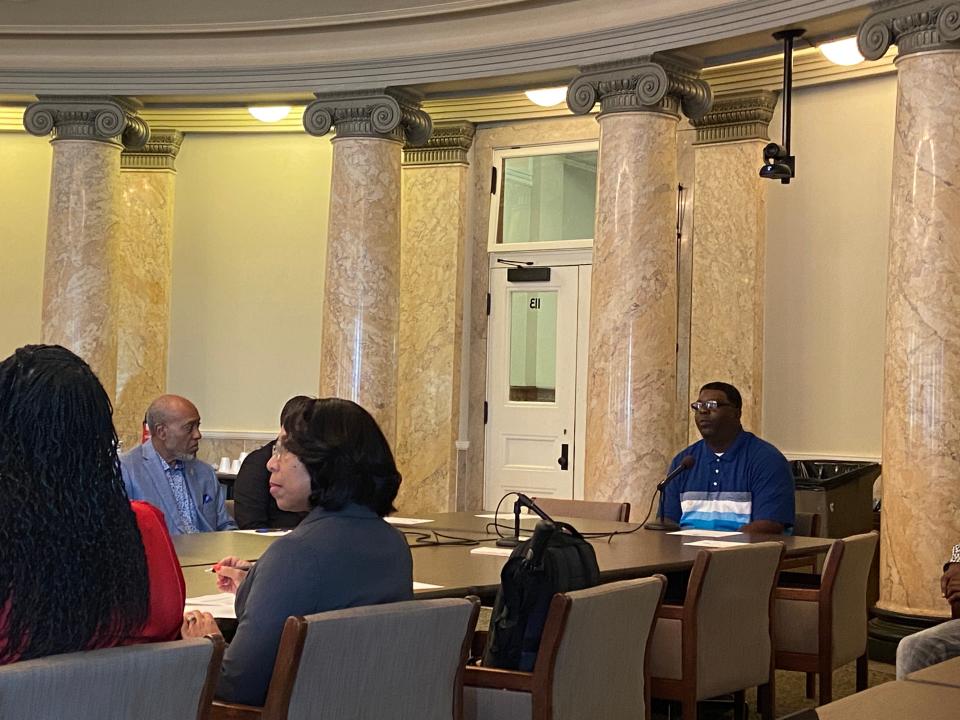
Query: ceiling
x=77 y=17
x=212 y=52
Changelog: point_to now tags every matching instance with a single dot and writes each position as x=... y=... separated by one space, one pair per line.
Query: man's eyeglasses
x=702 y=406
x=278 y=448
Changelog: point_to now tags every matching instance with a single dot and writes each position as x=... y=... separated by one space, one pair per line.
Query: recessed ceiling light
x=842 y=52
x=547 y=97
x=271 y=113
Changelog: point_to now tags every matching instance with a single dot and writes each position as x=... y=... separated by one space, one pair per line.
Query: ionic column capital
x=662 y=83
x=389 y=114
x=448 y=145
x=107 y=119
x=737 y=116
x=913 y=27
x=159 y=153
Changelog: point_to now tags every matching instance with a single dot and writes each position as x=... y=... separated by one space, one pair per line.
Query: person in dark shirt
x=253 y=505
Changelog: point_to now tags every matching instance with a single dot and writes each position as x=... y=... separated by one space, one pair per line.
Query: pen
x=216 y=568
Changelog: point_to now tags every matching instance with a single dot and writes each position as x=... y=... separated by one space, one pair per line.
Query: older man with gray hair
x=165 y=472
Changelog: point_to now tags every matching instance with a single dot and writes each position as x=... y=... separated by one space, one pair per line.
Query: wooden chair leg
x=767 y=700
x=688 y=706
x=862 y=672
x=811 y=685
x=826 y=687
x=740 y=705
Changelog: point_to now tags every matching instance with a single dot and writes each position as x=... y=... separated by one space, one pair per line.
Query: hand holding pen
x=230 y=573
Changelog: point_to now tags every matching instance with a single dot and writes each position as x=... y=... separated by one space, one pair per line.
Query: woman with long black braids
x=81 y=567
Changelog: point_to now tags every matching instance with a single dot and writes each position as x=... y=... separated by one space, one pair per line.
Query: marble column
x=79 y=284
x=147 y=182
x=726 y=321
x=433 y=242
x=921 y=420
x=358 y=359
x=631 y=388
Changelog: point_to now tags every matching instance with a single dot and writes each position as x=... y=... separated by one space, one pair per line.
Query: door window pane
x=548 y=198
x=533 y=346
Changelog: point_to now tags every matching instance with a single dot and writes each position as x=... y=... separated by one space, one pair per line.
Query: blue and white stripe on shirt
x=715 y=510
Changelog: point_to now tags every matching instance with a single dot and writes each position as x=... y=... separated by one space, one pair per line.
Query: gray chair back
x=157 y=681
x=599 y=671
x=849 y=595
x=806 y=524
x=734 y=649
x=593 y=509
x=402 y=661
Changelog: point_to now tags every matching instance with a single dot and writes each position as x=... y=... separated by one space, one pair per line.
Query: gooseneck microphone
x=664 y=524
x=522 y=501
x=685 y=464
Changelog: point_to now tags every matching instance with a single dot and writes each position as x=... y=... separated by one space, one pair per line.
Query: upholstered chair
x=592 y=661
x=720 y=640
x=821 y=628
x=804 y=525
x=155 y=681
x=593 y=509
x=402 y=661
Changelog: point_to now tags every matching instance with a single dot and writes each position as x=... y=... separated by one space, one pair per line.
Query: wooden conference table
x=896 y=700
x=457 y=571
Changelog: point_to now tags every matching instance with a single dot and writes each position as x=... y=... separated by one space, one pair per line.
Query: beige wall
x=248 y=263
x=248 y=260
x=24 y=192
x=826 y=273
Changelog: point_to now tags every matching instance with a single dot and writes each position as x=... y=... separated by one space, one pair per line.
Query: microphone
x=685 y=464
x=527 y=502
x=661 y=523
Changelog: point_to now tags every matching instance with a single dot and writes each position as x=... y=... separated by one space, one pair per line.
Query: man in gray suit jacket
x=165 y=472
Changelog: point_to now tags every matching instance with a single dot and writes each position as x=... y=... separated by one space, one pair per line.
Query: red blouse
x=167 y=588
x=168 y=592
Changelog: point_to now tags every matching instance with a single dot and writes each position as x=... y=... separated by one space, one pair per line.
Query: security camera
x=772 y=152
x=777 y=164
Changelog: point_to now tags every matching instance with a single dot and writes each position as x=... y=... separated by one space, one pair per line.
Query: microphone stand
x=522 y=501
x=662 y=523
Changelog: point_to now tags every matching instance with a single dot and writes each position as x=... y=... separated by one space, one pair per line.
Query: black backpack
x=556 y=559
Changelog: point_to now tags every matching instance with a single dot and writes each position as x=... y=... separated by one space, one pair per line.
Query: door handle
x=564 y=460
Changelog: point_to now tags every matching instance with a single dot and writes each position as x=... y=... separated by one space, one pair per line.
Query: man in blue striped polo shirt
x=738 y=481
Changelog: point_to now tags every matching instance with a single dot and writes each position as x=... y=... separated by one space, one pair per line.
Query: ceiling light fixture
x=841 y=52
x=547 y=97
x=271 y=113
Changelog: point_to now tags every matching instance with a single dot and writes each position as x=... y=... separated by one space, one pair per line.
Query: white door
x=532 y=383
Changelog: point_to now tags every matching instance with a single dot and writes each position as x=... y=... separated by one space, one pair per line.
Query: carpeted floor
x=790 y=693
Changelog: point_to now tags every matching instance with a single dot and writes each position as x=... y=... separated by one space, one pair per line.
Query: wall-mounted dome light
x=547 y=97
x=841 y=52
x=271 y=113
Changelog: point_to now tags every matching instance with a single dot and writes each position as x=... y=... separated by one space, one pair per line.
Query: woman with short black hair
x=332 y=460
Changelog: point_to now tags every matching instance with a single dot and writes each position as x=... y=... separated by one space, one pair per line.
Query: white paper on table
x=265 y=533
x=425 y=586
x=714 y=543
x=705 y=533
x=484 y=550
x=219 y=605
x=406 y=521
